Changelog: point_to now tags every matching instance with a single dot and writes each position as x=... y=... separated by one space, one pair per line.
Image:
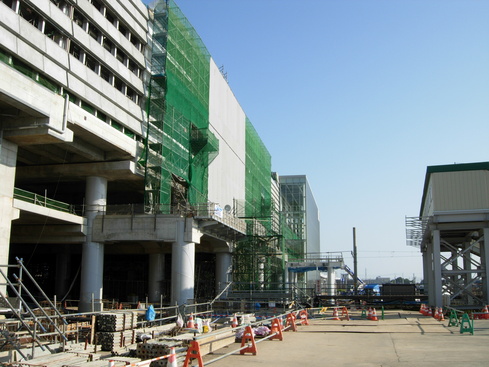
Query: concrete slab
x=404 y=340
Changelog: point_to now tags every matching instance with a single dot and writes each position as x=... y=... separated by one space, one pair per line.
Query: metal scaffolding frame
x=455 y=256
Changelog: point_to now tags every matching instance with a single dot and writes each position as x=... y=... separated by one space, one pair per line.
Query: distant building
x=301 y=214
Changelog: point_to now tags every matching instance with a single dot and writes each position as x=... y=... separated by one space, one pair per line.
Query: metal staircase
x=37 y=323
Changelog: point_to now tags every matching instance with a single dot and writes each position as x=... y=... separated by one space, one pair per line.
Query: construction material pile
x=115 y=330
x=157 y=348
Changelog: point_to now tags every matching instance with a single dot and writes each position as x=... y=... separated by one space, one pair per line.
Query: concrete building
x=450 y=231
x=301 y=214
x=128 y=168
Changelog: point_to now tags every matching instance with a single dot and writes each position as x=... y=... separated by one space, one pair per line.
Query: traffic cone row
x=372 y=314
x=424 y=309
x=439 y=314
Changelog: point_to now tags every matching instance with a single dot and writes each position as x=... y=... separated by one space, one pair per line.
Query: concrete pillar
x=92 y=270
x=63 y=278
x=485 y=266
x=223 y=270
x=156 y=277
x=8 y=160
x=426 y=270
x=429 y=275
x=331 y=282
x=182 y=268
x=438 y=302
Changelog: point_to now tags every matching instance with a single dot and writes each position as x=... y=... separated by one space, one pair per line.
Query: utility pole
x=355 y=265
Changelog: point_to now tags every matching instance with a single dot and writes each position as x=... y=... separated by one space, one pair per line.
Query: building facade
x=301 y=215
x=128 y=168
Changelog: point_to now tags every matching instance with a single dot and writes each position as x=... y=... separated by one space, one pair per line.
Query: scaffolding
x=179 y=146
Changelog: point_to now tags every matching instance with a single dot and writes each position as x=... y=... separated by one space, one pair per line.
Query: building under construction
x=128 y=168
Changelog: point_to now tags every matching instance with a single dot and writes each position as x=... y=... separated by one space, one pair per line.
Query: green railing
x=42 y=200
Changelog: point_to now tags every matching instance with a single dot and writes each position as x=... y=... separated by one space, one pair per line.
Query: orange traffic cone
x=344 y=313
x=421 y=309
x=441 y=317
x=374 y=315
x=429 y=312
x=369 y=314
x=485 y=311
x=235 y=321
x=303 y=316
x=190 y=322
x=335 y=314
x=172 y=360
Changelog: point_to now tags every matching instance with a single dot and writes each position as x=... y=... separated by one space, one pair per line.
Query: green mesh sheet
x=178 y=107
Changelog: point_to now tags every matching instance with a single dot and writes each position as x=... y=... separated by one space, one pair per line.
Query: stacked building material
x=110 y=340
x=115 y=329
x=157 y=348
x=116 y=321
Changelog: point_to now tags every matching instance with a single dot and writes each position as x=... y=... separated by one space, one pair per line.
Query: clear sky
x=361 y=96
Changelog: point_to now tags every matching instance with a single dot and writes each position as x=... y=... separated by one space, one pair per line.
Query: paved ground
x=402 y=339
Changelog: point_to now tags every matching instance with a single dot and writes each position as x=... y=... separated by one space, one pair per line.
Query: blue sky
x=361 y=96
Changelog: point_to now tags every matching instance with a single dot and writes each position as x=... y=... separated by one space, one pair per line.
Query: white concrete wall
x=464 y=190
x=8 y=160
x=29 y=44
x=312 y=221
x=227 y=122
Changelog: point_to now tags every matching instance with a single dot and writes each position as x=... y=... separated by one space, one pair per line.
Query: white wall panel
x=463 y=190
x=227 y=122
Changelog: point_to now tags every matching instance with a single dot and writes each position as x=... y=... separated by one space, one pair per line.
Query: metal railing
x=43 y=200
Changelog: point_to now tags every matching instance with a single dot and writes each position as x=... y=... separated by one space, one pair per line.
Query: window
x=91 y=63
x=105 y=74
x=76 y=51
x=28 y=14
x=119 y=85
x=94 y=32
x=121 y=56
x=123 y=30
x=108 y=45
x=134 y=68
x=78 y=18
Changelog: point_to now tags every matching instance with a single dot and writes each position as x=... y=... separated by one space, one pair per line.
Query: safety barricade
x=201 y=345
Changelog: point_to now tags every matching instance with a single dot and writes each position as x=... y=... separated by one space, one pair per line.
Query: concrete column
x=63 y=278
x=155 y=277
x=430 y=279
x=92 y=270
x=331 y=282
x=438 y=302
x=485 y=266
x=426 y=270
x=8 y=161
x=223 y=270
x=182 y=268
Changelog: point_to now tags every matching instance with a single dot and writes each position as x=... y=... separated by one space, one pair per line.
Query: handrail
x=42 y=200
